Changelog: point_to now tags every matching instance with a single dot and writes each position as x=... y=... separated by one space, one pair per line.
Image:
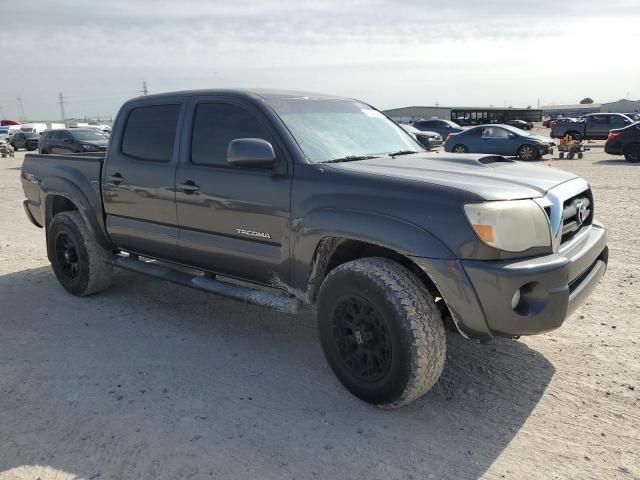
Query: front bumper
x=479 y=293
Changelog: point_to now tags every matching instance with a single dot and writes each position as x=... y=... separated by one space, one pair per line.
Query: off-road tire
x=632 y=153
x=411 y=320
x=460 y=149
x=85 y=271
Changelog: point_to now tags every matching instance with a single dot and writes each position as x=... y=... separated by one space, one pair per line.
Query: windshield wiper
x=351 y=158
x=401 y=152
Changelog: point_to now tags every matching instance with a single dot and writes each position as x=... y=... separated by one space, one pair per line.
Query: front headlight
x=89 y=148
x=513 y=225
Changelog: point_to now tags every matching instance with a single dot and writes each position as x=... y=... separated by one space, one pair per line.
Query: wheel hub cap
x=66 y=255
x=362 y=339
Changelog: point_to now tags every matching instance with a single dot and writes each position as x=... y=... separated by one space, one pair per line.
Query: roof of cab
x=263 y=93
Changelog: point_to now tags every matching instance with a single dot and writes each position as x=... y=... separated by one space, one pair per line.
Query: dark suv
x=625 y=141
x=26 y=140
x=77 y=140
x=441 y=127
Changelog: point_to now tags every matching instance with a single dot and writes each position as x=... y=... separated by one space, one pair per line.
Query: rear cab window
x=150 y=132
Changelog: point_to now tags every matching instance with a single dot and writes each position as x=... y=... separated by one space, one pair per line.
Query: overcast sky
x=388 y=53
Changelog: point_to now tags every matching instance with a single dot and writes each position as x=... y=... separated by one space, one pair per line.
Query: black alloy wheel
x=362 y=339
x=66 y=255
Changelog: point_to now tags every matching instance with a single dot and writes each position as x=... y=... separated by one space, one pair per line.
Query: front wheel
x=381 y=331
x=460 y=149
x=79 y=263
x=632 y=153
x=528 y=152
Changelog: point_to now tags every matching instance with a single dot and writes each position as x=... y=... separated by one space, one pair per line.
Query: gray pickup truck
x=595 y=126
x=316 y=200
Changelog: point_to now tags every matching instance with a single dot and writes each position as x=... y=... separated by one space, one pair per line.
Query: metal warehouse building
x=465 y=115
x=620 y=106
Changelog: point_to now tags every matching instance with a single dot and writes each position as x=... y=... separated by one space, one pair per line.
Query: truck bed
x=77 y=175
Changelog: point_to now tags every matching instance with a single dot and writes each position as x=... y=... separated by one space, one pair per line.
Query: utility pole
x=23 y=115
x=145 y=90
x=61 y=100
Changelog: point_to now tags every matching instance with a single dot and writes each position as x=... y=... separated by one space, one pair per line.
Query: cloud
x=98 y=53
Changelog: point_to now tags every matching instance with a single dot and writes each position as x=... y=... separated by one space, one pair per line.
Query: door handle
x=189 y=187
x=116 y=179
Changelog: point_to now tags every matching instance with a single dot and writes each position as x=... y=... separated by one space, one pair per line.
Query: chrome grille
x=577 y=212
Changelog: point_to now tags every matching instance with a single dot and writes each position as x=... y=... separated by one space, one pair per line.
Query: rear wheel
x=528 y=152
x=381 y=331
x=576 y=135
x=632 y=153
x=460 y=149
x=78 y=262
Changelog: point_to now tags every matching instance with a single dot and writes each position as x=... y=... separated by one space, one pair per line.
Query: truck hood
x=488 y=176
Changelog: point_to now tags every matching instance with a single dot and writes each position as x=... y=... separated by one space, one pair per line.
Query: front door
x=233 y=221
x=496 y=140
x=139 y=180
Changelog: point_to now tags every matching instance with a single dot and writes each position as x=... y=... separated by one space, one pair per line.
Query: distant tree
x=587 y=100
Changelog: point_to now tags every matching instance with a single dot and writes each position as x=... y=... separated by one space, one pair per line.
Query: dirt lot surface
x=153 y=381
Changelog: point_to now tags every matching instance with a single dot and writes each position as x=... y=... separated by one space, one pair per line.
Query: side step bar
x=253 y=296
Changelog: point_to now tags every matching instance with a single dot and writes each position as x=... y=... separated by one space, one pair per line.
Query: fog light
x=515 y=300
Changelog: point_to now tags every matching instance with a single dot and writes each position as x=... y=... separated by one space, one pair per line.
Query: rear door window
x=150 y=132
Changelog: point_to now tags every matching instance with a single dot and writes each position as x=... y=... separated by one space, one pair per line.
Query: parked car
x=73 y=140
x=102 y=129
x=521 y=124
x=500 y=140
x=331 y=203
x=429 y=140
x=595 y=126
x=26 y=140
x=439 y=126
x=625 y=141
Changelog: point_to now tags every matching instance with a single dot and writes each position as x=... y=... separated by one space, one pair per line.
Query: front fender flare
x=392 y=233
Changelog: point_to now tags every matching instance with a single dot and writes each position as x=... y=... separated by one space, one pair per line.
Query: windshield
x=31 y=135
x=328 y=129
x=411 y=129
x=84 y=135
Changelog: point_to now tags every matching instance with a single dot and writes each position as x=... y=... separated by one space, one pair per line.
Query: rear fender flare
x=87 y=206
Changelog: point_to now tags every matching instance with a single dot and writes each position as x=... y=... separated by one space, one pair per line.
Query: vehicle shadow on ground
x=617 y=162
x=150 y=380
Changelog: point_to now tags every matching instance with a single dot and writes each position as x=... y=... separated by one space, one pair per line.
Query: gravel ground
x=153 y=381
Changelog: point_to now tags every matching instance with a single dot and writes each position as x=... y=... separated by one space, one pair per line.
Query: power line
x=62 y=102
x=23 y=115
x=145 y=90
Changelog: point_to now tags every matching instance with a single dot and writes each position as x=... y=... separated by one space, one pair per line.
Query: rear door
x=139 y=178
x=233 y=221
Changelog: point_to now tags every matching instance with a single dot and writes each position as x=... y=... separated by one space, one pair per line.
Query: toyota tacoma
x=310 y=199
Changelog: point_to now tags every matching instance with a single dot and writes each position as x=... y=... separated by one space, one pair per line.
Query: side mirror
x=250 y=152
